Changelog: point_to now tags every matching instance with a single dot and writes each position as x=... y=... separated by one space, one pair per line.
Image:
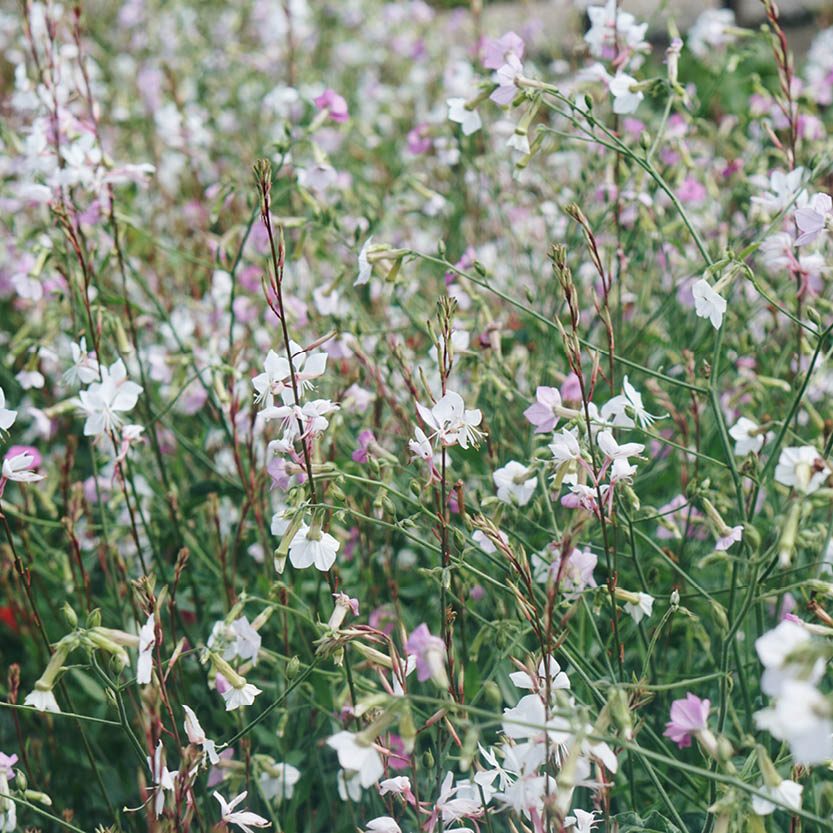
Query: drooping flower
x=708 y=303
x=277 y=781
x=313 y=547
x=354 y=755
x=787 y=792
x=334 y=104
x=747 y=437
x=515 y=483
x=469 y=120
x=625 y=98
x=365 y=266
x=505 y=79
x=558 y=678
x=163 y=778
x=688 y=716
x=430 y=655
x=147 y=641
x=196 y=735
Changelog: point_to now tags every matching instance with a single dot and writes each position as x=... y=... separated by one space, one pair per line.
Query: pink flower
x=688 y=716
x=571 y=389
x=366 y=439
x=430 y=655
x=542 y=412
x=732 y=535
x=335 y=104
x=691 y=191
x=419 y=140
x=505 y=78
x=813 y=218
x=496 y=52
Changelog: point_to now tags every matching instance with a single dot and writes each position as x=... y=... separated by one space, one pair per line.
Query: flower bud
x=70 y=616
x=292 y=667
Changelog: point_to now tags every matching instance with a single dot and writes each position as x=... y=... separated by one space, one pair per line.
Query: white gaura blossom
x=163 y=778
x=803 y=468
x=147 y=640
x=7 y=416
x=708 y=303
x=618 y=410
x=103 y=401
x=236 y=696
x=196 y=735
x=558 y=678
x=515 y=483
x=358 y=757
x=244 y=819
x=84 y=369
x=276 y=378
x=19 y=468
x=451 y=423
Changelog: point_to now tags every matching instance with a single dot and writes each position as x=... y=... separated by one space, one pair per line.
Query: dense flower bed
x=409 y=426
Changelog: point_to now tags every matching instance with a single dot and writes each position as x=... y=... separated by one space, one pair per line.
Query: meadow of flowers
x=410 y=426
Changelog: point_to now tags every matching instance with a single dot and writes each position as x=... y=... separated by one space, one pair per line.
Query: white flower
x=614 y=411
x=581 y=821
x=565 y=449
x=358 y=757
x=104 y=400
x=787 y=792
x=383 y=824
x=641 y=608
x=18 y=468
x=247 y=643
x=196 y=735
x=710 y=31
x=84 y=365
x=559 y=678
x=814 y=218
x=242 y=696
x=469 y=120
x=801 y=717
x=612 y=29
x=708 y=303
x=746 y=436
x=29 y=379
x=7 y=416
x=306 y=550
x=42 y=700
x=163 y=778
x=278 y=781
x=365 y=266
x=244 y=819
x=519 y=141
x=514 y=482
x=451 y=422
x=276 y=378
x=147 y=640
x=803 y=468
x=774 y=649
x=625 y=100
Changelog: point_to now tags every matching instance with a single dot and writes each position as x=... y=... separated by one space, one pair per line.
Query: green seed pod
x=292 y=667
x=428 y=759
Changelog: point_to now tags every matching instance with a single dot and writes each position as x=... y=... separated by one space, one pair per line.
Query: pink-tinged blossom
x=814 y=218
x=496 y=52
x=731 y=536
x=505 y=79
x=543 y=412
x=571 y=388
x=366 y=440
x=688 y=716
x=334 y=104
x=430 y=655
x=401 y=786
x=419 y=139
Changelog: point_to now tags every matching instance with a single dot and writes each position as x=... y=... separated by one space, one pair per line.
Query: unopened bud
x=292 y=667
x=70 y=616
